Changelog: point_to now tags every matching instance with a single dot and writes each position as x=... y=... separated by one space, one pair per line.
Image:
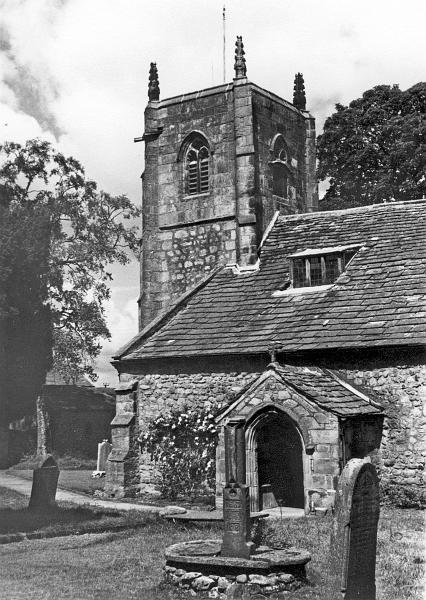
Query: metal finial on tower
x=240 y=61
x=299 y=96
x=153 y=85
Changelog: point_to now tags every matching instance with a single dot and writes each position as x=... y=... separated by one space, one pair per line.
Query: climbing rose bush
x=182 y=445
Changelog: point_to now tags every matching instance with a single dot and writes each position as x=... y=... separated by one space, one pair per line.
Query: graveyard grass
x=80 y=481
x=64 y=519
x=129 y=563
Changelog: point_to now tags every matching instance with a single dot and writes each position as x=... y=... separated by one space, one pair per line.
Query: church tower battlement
x=218 y=164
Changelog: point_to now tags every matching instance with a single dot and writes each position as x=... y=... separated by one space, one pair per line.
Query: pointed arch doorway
x=275 y=458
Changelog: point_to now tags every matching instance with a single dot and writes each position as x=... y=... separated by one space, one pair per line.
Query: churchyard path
x=23 y=486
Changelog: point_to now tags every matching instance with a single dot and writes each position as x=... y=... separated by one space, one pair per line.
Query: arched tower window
x=280 y=168
x=197 y=157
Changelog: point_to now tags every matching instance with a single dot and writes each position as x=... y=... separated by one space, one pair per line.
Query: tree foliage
x=86 y=230
x=375 y=148
x=25 y=319
x=182 y=446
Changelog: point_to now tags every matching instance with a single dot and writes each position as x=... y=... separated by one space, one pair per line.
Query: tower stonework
x=218 y=164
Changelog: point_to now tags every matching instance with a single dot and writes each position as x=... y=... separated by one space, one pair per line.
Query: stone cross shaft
x=236 y=503
x=235 y=452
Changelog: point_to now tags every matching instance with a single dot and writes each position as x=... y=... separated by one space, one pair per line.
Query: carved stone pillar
x=122 y=471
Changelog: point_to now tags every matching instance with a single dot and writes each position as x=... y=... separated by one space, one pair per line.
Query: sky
x=75 y=72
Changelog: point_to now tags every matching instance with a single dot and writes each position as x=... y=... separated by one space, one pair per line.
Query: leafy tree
x=86 y=231
x=375 y=148
x=25 y=319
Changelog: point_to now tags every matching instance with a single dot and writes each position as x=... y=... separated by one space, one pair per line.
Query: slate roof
x=327 y=389
x=380 y=300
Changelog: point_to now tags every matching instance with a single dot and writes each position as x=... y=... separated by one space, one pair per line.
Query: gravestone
x=45 y=482
x=236 y=540
x=104 y=449
x=352 y=572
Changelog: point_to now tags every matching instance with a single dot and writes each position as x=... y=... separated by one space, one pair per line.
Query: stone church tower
x=218 y=164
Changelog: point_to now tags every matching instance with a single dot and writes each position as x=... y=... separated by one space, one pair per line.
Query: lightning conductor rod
x=224 y=44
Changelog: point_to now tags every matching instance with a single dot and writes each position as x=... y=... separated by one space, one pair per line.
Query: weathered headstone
x=236 y=503
x=45 y=482
x=352 y=572
x=104 y=449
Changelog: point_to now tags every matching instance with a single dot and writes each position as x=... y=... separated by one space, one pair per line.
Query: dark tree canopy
x=375 y=148
x=25 y=319
x=58 y=236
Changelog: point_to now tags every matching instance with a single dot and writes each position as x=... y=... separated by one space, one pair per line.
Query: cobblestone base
x=273 y=586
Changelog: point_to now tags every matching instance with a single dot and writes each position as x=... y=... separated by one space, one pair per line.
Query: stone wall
x=192 y=252
x=398 y=380
x=184 y=236
x=159 y=393
x=78 y=418
x=402 y=391
x=69 y=420
x=274 y=116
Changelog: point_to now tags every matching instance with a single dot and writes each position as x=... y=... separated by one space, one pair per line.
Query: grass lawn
x=81 y=481
x=67 y=462
x=65 y=519
x=129 y=564
x=75 y=480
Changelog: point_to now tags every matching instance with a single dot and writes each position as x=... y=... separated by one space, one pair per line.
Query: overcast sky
x=75 y=72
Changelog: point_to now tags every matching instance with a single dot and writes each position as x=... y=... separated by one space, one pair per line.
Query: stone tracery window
x=280 y=169
x=197 y=158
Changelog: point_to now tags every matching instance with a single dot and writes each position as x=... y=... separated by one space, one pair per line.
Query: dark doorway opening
x=280 y=460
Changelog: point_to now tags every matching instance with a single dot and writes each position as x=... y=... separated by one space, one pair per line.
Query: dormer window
x=320 y=267
x=197 y=166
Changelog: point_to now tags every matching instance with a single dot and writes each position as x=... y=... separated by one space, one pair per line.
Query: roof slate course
x=380 y=299
x=329 y=390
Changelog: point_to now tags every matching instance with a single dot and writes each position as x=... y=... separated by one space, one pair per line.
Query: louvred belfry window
x=197 y=167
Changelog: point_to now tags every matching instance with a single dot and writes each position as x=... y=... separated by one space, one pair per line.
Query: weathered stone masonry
x=186 y=235
x=400 y=383
x=158 y=393
x=402 y=389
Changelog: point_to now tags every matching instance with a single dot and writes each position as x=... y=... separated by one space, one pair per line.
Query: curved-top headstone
x=104 y=450
x=354 y=536
x=45 y=483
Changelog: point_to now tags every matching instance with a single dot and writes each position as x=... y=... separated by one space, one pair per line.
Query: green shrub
x=182 y=445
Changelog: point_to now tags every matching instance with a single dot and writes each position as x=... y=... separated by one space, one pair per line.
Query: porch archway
x=274 y=455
